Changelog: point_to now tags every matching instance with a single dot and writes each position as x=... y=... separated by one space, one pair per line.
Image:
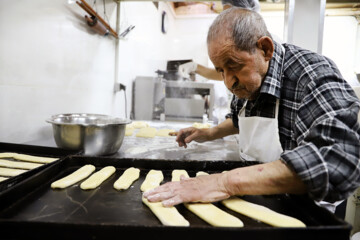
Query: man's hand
x=208 y=188
x=187 y=68
x=187 y=135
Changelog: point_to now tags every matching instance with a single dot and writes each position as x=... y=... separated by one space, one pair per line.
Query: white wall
x=50 y=62
x=341 y=44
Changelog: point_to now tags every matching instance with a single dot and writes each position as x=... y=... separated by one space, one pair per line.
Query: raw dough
x=127 y=178
x=164 y=132
x=146 y=132
x=261 y=213
x=168 y=216
x=97 y=178
x=27 y=158
x=214 y=215
x=75 y=177
x=152 y=180
x=10 y=172
x=207 y=211
x=201 y=125
x=201 y=173
x=21 y=165
x=139 y=124
x=129 y=132
x=177 y=173
x=3 y=179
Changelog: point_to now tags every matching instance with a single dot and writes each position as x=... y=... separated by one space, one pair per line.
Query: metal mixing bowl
x=95 y=134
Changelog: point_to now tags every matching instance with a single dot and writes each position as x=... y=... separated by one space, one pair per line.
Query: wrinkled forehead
x=220 y=47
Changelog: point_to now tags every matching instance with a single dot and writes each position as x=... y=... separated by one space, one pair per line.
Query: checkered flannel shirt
x=318 y=120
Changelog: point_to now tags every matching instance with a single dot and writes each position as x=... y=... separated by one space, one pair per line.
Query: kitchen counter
x=166 y=147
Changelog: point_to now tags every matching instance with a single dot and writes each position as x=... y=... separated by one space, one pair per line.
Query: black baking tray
x=33 y=210
x=35 y=151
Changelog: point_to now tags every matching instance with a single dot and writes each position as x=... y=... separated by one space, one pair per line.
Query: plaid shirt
x=318 y=120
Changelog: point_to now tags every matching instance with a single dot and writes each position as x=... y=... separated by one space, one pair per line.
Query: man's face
x=242 y=72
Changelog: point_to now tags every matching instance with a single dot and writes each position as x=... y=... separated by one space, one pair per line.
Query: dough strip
x=75 y=177
x=261 y=213
x=127 y=178
x=168 y=216
x=97 y=178
x=207 y=211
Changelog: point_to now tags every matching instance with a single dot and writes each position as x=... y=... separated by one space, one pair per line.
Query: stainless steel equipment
x=96 y=134
x=176 y=100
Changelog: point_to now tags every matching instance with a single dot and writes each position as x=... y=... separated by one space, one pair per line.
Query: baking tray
x=31 y=150
x=33 y=209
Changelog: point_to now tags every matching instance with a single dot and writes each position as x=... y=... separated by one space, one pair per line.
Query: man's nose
x=229 y=79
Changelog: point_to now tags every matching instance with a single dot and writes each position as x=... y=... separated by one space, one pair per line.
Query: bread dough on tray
x=127 y=178
x=3 y=179
x=97 y=178
x=168 y=216
x=10 y=172
x=207 y=211
x=214 y=215
x=261 y=213
x=74 y=177
x=27 y=158
x=152 y=180
x=146 y=132
x=18 y=164
x=176 y=174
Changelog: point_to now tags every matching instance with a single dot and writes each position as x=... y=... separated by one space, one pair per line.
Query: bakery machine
x=156 y=98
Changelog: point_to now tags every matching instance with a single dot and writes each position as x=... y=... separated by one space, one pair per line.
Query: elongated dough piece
x=176 y=174
x=97 y=178
x=10 y=172
x=201 y=173
x=168 y=216
x=21 y=165
x=261 y=213
x=152 y=180
x=207 y=211
x=146 y=132
x=75 y=177
x=127 y=178
x=27 y=158
x=214 y=215
x=3 y=179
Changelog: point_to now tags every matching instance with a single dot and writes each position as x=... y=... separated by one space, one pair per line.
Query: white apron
x=259 y=137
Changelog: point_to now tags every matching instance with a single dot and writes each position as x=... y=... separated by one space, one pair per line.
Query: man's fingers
x=157 y=197
x=172 y=201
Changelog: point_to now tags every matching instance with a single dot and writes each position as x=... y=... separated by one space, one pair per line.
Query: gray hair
x=253 y=5
x=244 y=27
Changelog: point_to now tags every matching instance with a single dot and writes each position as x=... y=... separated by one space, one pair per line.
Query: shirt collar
x=272 y=81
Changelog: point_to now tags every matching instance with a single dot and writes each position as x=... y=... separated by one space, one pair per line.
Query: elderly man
x=293 y=111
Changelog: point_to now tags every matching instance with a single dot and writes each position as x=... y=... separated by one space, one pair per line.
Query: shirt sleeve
x=327 y=158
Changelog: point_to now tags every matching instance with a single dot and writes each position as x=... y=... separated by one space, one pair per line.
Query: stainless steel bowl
x=95 y=134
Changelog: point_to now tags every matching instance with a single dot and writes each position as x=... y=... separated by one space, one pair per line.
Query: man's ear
x=267 y=46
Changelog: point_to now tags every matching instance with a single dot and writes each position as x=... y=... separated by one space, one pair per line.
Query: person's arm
x=191 y=67
x=269 y=178
x=187 y=135
x=208 y=73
